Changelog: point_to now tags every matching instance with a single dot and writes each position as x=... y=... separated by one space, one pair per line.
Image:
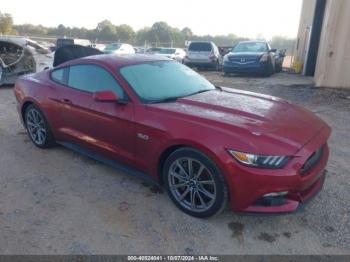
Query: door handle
x=66 y=101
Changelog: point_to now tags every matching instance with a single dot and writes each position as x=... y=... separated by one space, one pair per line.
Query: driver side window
x=92 y=78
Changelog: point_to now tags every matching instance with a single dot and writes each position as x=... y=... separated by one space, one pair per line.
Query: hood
x=71 y=52
x=257 y=119
x=246 y=54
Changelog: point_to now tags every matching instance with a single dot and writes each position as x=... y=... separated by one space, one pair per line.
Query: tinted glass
x=250 y=47
x=200 y=47
x=167 y=51
x=64 y=42
x=153 y=49
x=113 y=47
x=58 y=76
x=156 y=81
x=92 y=78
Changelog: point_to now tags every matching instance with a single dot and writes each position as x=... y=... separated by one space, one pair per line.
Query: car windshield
x=154 y=49
x=112 y=46
x=164 y=80
x=250 y=47
x=200 y=47
x=167 y=51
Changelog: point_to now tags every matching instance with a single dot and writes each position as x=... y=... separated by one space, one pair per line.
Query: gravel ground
x=58 y=202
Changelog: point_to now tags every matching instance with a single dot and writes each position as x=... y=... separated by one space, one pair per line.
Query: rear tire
x=194 y=183
x=38 y=128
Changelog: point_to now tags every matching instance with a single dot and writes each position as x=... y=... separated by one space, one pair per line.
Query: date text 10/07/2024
x=173 y=258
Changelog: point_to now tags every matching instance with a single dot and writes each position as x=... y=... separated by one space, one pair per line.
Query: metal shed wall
x=306 y=19
x=333 y=63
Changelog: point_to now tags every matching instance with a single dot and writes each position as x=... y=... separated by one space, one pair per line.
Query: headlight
x=272 y=162
x=264 y=58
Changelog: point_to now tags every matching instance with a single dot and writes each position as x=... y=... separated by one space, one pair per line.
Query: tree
x=106 y=31
x=6 y=23
x=61 y=30
x=187 y=32
x=281 y=42
x=29 y=29
x=161 y=33
x=142 y=36
x=125 y=33
x=105 y=23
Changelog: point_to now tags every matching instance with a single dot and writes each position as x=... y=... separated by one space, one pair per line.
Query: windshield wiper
x=175 y=98
x=219 y=88
x=165 y=100
x=201 y=91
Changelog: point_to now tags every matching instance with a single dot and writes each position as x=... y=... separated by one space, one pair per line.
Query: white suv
x=119 y=49
x=203 y=54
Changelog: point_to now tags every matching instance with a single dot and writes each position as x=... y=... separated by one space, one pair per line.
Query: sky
x=246 y=18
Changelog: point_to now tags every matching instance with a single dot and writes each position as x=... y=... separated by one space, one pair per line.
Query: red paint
x=105 y=96
x=210 y=122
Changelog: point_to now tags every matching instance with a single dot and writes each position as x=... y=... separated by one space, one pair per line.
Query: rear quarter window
x=58 y=76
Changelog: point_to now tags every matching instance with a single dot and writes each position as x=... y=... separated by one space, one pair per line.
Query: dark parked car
x=60 y=42
x=207 y=145
x=250 y=57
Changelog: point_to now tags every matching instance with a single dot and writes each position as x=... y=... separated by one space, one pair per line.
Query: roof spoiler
x=71 y=52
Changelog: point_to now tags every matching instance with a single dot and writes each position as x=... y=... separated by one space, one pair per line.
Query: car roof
x=118 y=61
x=254 y=41
x=205 y=42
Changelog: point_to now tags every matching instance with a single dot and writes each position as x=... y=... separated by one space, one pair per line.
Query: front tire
x=38 y=128
x=279 y=68
x=217 y=66
x=194 y=183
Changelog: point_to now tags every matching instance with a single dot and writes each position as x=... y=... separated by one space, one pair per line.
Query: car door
x=74 y=107
x=102 y=126
x=112 y=122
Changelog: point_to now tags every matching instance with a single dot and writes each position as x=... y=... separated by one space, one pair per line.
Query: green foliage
x=6 y=23
x=220 y=40
x=31 y=29
x=281 y=42
x=125 y=33
x=159 y=34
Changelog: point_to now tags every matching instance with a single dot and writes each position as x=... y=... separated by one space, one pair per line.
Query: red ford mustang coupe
x=154 y=117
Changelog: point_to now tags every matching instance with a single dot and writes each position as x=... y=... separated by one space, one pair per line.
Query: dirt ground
x=58 y=202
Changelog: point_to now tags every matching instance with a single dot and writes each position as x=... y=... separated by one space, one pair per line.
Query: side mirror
x=273 y=50
x=105 y=96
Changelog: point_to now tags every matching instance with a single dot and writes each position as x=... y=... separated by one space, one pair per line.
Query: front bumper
x=236 y=68
x=200 y=63
x=249 y=185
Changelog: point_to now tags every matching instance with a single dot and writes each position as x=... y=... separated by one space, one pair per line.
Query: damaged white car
x=19 y=56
